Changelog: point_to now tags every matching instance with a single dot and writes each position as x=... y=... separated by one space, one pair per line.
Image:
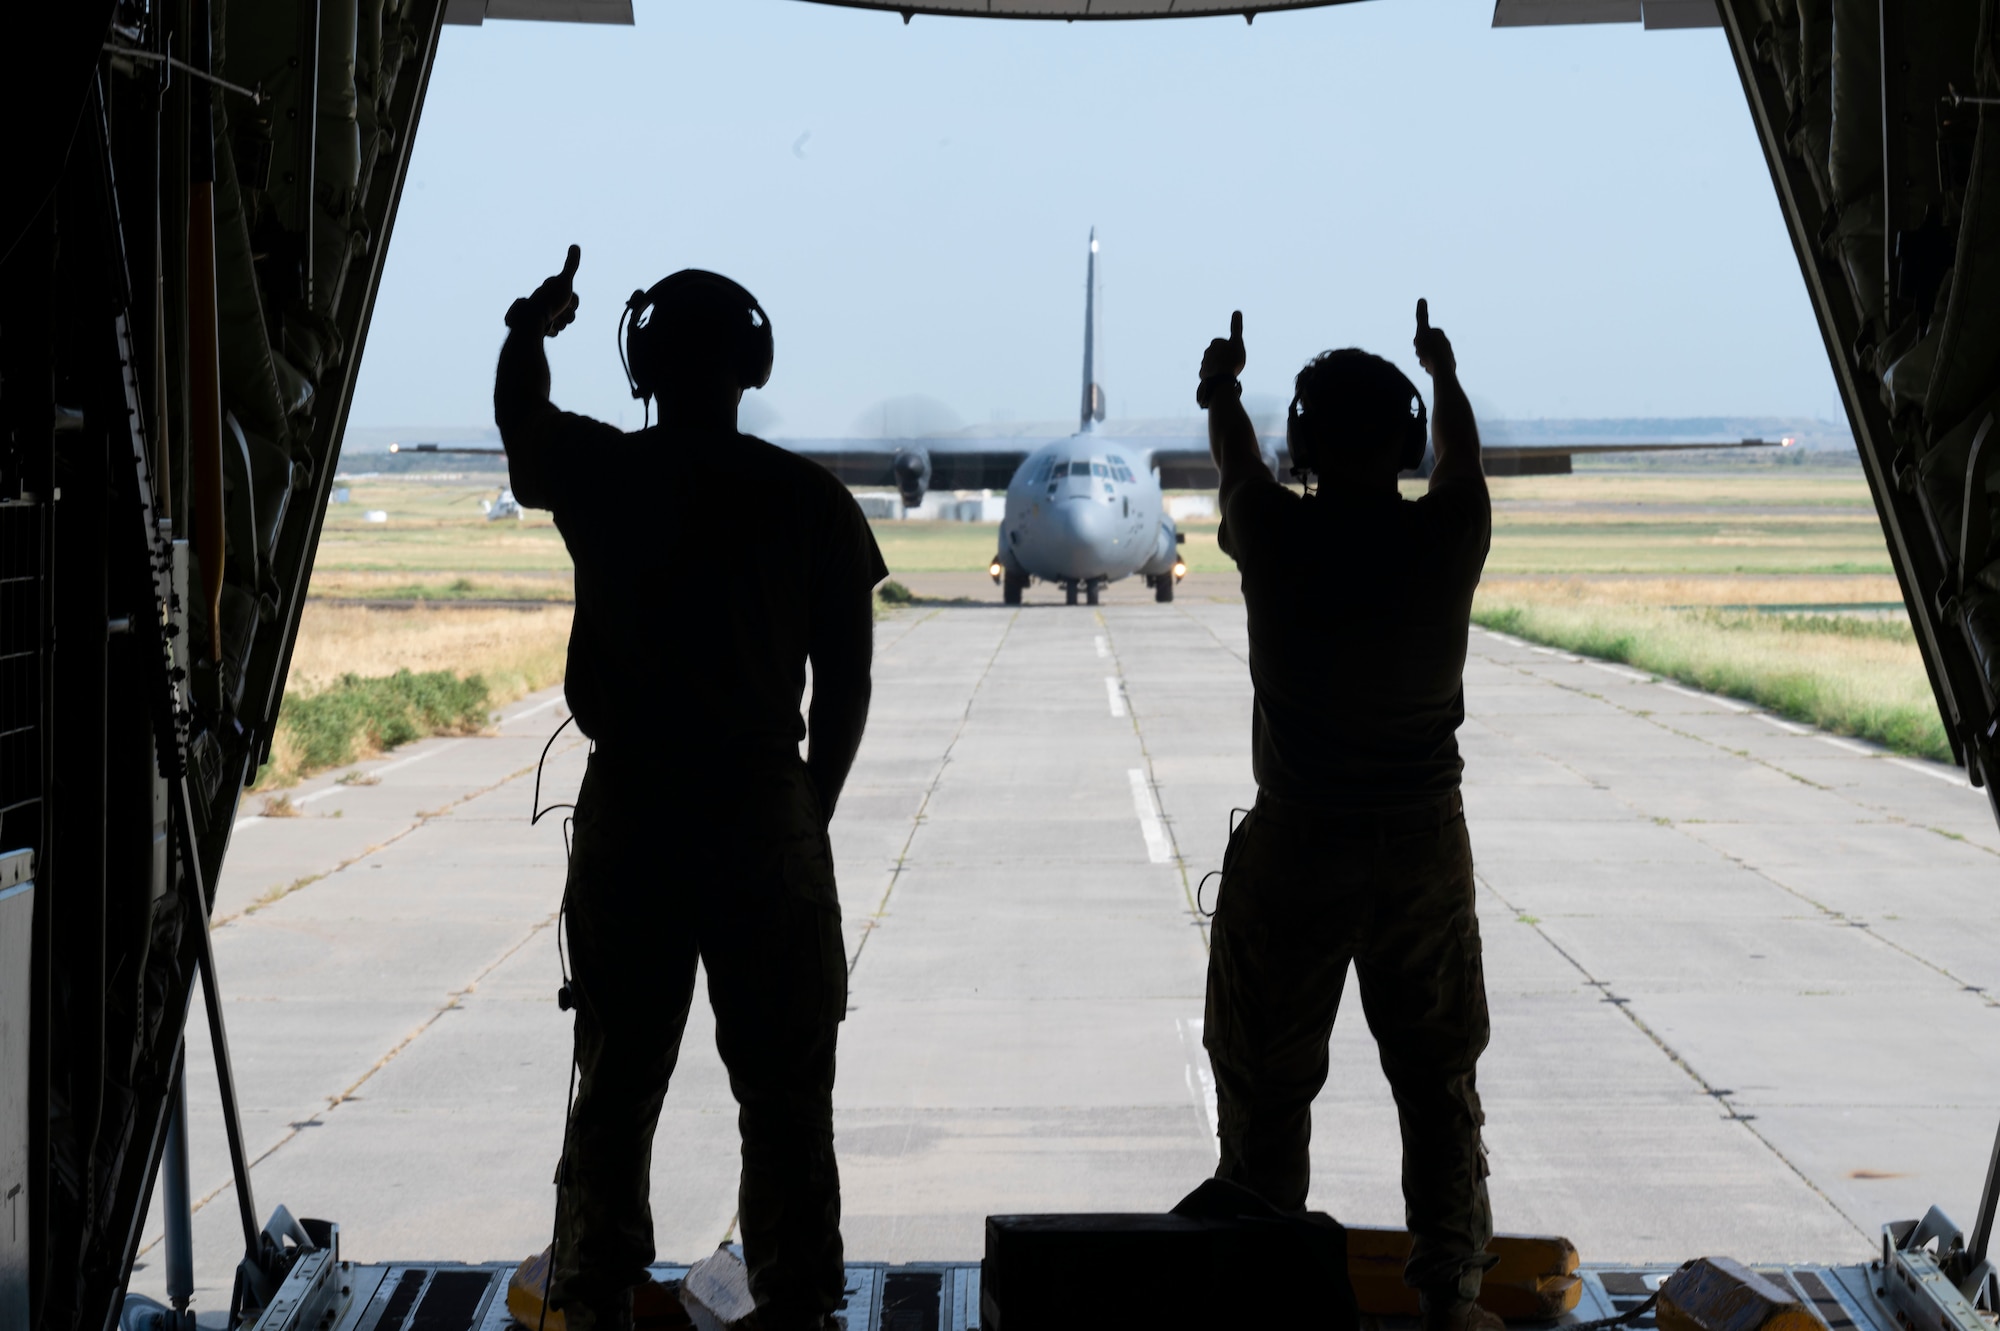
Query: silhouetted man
x=710 y=566
x=1356 y=850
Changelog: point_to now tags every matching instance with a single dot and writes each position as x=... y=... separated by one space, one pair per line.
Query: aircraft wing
x=913 y=466
x=1184 y=464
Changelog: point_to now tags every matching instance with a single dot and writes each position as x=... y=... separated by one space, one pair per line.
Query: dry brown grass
x=1725 y=589
x=514 y=651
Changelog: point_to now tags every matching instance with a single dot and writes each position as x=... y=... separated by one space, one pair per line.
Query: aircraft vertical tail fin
x=1093 y=393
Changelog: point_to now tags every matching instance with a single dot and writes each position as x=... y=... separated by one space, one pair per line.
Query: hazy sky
x=1585 y=208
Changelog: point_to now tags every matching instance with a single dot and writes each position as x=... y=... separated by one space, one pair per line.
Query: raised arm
x=1454 y=432
x=1232 y=439
x=521 y=381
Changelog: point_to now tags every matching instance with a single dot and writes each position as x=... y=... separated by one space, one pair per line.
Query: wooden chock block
x=1722 y=1294
x=1534 y=1279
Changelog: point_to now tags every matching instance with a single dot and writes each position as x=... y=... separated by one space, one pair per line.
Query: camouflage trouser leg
x=1303 y=896
x=748 y=888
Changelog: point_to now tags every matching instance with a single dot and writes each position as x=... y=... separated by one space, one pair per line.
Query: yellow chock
x=524 y=1294
x=1534 y=1279
x=1722 y=1294
x=655 y=1307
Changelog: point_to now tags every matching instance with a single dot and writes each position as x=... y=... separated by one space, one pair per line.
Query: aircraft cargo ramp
x=191 y=247
x=945 y=1296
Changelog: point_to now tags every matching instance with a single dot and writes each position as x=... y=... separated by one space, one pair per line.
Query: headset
x=1410 y=447
x=653 y=316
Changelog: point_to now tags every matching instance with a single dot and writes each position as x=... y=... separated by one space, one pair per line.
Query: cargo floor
x=944 y=1296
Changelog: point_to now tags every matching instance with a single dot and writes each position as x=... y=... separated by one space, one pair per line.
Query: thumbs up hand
x=552 y=307
x=1434 y=351
x=1222 y=362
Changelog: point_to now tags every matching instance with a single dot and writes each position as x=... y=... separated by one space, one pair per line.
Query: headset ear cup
x=753 y=368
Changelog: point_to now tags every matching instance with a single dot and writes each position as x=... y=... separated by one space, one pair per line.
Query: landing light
x=994 y=570
x=1787 y=442
x=1180 y=570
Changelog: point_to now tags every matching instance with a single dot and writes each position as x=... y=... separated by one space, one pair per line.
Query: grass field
x=1745 y=582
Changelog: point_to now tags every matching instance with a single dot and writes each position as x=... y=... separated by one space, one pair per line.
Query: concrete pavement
x=1739 y=970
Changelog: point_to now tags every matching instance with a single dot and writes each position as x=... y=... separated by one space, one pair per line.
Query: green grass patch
x=1848 y=676
x=356 y=716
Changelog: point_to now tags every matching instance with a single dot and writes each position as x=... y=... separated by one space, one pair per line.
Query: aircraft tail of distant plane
x=1093 y=394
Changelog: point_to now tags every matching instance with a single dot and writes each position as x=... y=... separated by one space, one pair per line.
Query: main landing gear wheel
x=1069 y=592
x=1013 y=586
x=1163 y=588
x=1090 y=593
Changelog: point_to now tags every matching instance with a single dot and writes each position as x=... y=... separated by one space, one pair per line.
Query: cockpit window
x=1117 y=461
x=1099 y=469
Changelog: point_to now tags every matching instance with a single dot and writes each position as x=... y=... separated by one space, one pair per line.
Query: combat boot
x=1450 y=1312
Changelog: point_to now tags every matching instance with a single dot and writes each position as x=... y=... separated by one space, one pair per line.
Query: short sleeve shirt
x=705 y=567
x=1359 y=608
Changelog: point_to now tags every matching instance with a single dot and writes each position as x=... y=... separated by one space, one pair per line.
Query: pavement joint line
x=1685 y=829
x=1626 y=1009
x=422 y=818
x=1934 y=772
x=316 y=1118
x=1209 y=629
x=937 y=779
x=1189 y=892
x=334 y=788
x=1631 y=676
x=1116 y=692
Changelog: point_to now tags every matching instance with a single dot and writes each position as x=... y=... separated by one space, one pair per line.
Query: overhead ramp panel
x=473 y=13
x=1654 y=14
x=1071 y=11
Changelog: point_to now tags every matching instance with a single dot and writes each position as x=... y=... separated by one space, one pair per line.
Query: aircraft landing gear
x=1163 y=588
x=1012 y=587
x=1090 y=592
x=1069 y=592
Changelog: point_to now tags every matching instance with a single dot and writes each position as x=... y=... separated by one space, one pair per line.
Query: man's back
x=1358 y=609
x=765 y=545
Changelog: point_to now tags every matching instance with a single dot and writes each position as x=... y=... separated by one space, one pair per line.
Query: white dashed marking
x=1932 y=770
x=1708 y=698
x=1158 y=849
x=1116 y=693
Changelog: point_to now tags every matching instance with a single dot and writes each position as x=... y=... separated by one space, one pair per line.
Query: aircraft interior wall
x=187 y=273
x=184 y=292
x=1897 y=232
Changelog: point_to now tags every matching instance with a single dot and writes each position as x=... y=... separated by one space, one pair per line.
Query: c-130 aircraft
x=1081 y=511
x=1089 y=509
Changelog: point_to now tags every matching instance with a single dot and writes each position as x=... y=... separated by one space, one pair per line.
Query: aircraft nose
x=1079 y=538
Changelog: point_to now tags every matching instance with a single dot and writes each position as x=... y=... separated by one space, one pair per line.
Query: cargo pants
x=739 y=874
x=1304 y=893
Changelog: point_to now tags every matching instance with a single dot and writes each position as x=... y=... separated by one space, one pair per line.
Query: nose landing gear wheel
x=1012 y=587
x=1163 y=588
x=1090 y=593
x=1069 y=592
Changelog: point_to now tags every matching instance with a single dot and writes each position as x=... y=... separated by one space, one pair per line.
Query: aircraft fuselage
x=1083 y=509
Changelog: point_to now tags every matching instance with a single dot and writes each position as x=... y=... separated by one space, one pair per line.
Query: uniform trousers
x=736 y=872
x=1305 y=892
